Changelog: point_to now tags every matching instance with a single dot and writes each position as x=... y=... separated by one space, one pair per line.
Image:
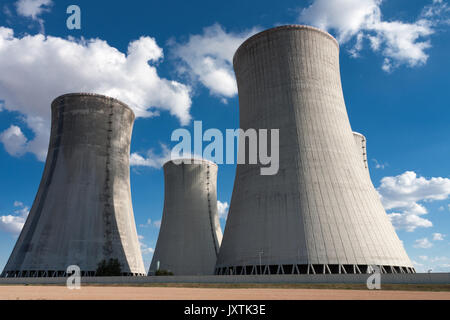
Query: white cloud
x=440 y=259
x=222 y=209
x=400 y=43
x=14 y=223
x=404 y=192
x=423 y=243
x=435 y=264
x=11 y=224
x=347 y=17
x=14 y=141
x=151 y=159
x=147 y=224
x=45 y=67
x=157 y=161
x=151 y=223
x=438 y=237
x=208 y=58
x=407 y=189
x=418 y=266
x=408 y=222
x=439 y=264
x=33 y=9
x=18 y=204
x=145 y=249
x=157 y=224
x=379 y=165
x=438 y=11
x=354 y=52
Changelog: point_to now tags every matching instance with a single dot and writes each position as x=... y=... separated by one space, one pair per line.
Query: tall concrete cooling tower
x=190 y=235
x=82 y=213
x=321 y=212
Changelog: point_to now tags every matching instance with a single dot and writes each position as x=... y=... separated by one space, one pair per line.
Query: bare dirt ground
x=164 y=293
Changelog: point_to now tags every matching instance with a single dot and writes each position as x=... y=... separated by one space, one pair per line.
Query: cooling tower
x=321 y=212
x=82 y=213
x=190 y=234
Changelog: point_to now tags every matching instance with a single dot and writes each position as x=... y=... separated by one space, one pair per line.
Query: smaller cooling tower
x=190 y=235
x=82 y=213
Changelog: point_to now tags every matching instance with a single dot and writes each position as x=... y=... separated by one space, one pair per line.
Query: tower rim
x=359 y=134
x=90 y=94
x=281 y=28
x=190 y=159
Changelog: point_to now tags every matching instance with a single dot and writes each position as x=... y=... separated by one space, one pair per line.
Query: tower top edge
x=191 y=161
x=283 y=28
x=359 y=134
x=94 y=95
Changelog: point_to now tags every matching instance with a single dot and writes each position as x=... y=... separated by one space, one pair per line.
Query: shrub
x=110 y=268
x=163 y=273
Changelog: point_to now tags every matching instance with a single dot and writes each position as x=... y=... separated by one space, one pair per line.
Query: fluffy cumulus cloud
x=14 y=141
x=145 y=249
x=404 y=194
x=438 y=237
x=409 y=221
x=150 y=223
x=151 y=159
x=222 y=208
x=207 y=58
x=361 y=22
x=432 y=264
x=33 y=9
x=14 y=223
x=408 y=188
x=35 y=69
x=423 y=243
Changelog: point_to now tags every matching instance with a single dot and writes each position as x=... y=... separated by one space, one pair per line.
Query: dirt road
x=156 y=293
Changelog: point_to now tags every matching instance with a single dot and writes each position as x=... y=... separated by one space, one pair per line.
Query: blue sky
x=394 y=67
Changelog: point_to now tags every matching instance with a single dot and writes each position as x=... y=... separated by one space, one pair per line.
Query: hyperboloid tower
x=190 y=235
x=321 y=212
x=82 y=213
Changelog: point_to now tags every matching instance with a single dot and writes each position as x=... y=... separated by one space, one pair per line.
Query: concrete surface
x=321 y=210
x=190 y=234
x=83 y=211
